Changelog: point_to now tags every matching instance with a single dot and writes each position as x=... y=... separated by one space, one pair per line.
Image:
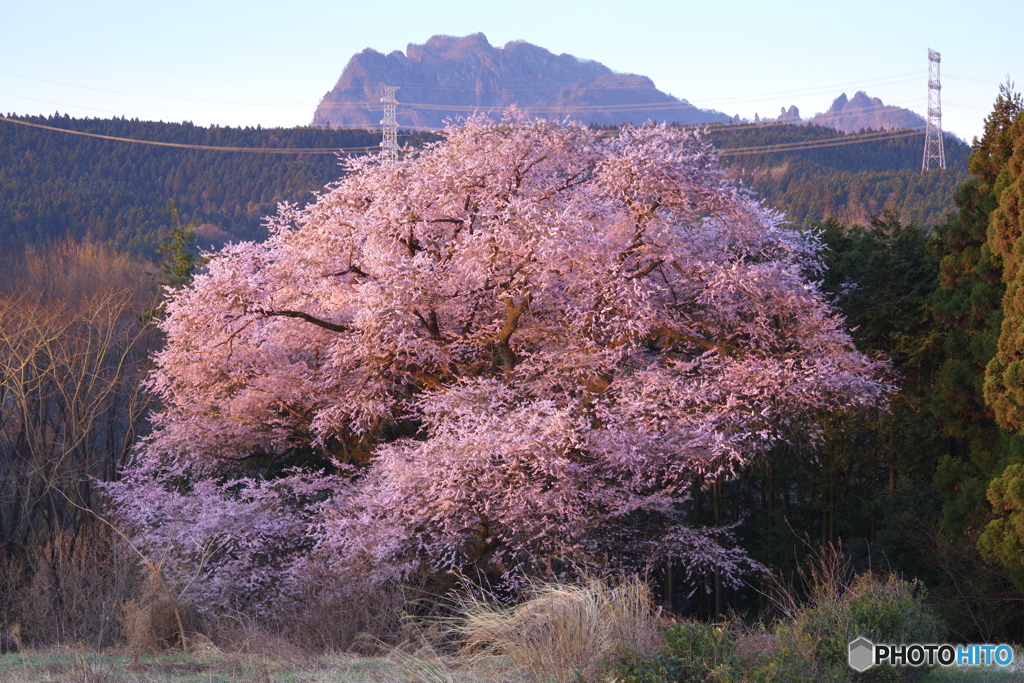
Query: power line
x=816 y=144
x=209 y=148
x=880 y=80
x=669 y=104
x=161 y=96
x=874 y=136
x=675 y=104
x=540 y=87
x=815 y=90
x=59 y=104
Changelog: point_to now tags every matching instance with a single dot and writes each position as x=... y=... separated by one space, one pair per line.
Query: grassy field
x=79 y=666
x=71 y=666
x=983 y=676
x=1014 y=673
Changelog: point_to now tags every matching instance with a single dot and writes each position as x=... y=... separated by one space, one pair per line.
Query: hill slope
x=829 y=177
x=54 y=184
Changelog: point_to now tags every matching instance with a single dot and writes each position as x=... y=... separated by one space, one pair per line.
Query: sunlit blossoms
x=522 y=346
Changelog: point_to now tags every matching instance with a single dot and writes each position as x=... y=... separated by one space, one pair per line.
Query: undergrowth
x=593 y=631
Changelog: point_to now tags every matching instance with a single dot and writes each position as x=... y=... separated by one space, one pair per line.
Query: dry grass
x=566 y=632
x=425 y=664
x=68 y=589
x=79 y=666
x=826 y=577
x=559 y=633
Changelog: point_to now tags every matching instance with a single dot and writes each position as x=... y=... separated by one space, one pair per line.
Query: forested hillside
x=54 y=184
x=814 y=173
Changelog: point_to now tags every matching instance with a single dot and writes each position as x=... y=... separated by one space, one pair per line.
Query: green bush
x=811 y=644
x=883 y=610
x=783 y=654
x=692 y=652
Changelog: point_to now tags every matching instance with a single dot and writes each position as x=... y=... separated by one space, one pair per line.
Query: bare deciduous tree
x=72 y=356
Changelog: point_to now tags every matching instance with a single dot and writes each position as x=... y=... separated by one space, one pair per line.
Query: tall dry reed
x=566 y=632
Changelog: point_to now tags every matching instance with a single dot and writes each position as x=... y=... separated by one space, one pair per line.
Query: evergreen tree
x=1004 y=376
x=969 y=310
x=180 y=261
x=1002 y=166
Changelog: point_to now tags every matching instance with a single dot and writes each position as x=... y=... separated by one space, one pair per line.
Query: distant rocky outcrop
x=791 y=115
x=448 y=77
x=861 y=112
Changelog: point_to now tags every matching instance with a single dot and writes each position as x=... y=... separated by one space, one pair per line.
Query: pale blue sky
x=235 y=63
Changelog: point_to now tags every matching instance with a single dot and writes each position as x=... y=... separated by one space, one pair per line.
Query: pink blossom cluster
x=521 y=345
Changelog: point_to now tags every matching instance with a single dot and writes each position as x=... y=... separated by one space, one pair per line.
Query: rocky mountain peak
x=450 y=48
x=791 y=115
x=860 y=112
x=863 y=112
x=449 y=76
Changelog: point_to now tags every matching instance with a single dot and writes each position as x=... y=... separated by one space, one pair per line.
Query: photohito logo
x=864 y=654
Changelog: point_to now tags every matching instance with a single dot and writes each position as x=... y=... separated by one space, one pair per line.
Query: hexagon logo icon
x=862 y=654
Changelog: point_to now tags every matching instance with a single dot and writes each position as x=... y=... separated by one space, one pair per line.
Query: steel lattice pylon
x=934 y=154
x=389 y=145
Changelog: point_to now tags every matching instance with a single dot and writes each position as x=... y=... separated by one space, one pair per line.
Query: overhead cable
x=873 y=136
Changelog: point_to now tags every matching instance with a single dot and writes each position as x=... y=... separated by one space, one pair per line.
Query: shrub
x=783 y=654
x=883 y=609
x=68 y=588
x=692 y=651
x=809 y=643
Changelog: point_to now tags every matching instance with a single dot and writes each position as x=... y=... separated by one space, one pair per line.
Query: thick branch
x=351 y=269
x=679 y=336
x=597 y=383
x=646 y=270
x=513 y=312
x=431 y=325
x=411 y=244
x=426 y=379
x=327 y=325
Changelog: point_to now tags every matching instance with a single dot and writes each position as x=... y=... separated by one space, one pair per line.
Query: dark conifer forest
x=824 y=173
x=55 y=184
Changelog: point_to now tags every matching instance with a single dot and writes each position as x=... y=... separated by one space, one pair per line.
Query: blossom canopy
x=528 y=339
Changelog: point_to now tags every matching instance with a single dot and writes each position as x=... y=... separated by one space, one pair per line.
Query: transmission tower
x=389 y=145
x=934 y=154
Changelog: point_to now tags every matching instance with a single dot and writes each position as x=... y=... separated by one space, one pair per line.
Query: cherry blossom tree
x=522 y=345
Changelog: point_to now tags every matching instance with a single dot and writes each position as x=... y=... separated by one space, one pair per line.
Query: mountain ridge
x=861 y=112
x=447 y=77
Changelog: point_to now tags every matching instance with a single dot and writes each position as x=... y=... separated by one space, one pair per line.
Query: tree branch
x=679 y=336
x=646 y=270
x=327 y=325
x=431 y=325
x=513 y=312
